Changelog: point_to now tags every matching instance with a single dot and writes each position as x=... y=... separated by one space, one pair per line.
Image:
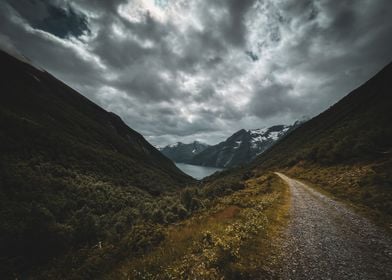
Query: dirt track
x=327 y=240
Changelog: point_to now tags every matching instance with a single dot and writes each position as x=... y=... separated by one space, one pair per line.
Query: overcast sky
x=184 y=70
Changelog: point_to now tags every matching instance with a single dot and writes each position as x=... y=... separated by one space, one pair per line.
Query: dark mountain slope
x=42 y=116
x=226 y=153
x=71 y=175
x=348 y=148
x=181 y=152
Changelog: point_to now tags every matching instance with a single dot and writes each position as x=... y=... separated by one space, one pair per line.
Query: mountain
x=347 y=149
x=180 y=152
x=242 y=147
x=40 y=116
x=71 y=173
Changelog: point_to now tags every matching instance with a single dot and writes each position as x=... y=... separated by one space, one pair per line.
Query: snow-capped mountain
x=242 y=147
x=261 y=139
x=180 y=152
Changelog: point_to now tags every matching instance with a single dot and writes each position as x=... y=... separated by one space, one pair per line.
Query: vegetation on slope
x=355 y=133
x=42 y=118
x=366 y=185
x=226 y=240
x=72 y=175
x=115 y=223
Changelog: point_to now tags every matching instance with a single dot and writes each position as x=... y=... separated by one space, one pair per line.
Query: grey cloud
x=117 y=52
x=147 y=85
x=200 y=72
x=107 y=7
x=61 y=60
x=297 y=8
x=340 y=56
x=234 y=28
x=272 y=100
x=205 y=94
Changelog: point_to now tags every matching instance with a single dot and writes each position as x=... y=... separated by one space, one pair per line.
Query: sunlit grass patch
x=221 y=242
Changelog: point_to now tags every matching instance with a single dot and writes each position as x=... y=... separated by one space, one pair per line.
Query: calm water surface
x=196 y=171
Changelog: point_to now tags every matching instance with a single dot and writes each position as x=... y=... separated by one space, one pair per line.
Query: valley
x=84 y=196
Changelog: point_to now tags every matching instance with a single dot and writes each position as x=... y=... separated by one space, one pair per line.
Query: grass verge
x=357 y=186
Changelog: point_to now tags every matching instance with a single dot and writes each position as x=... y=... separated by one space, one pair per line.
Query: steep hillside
x=181 y=152
x=41 y=116
x=242 y=147
x=71 y=173
x=347 y=149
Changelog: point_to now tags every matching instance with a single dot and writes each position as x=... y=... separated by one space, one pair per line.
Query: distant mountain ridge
x=184 y=153
x=242 y=147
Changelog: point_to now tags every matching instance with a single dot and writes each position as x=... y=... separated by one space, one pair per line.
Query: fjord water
x=197 y=171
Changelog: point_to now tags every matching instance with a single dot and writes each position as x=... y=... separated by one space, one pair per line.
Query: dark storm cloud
x=101 y=7
x=184 y=70
x=235 y=29
x=275 y=97
x=58 y=57
x=47 y=16
x=333 y=51
x=63 y=22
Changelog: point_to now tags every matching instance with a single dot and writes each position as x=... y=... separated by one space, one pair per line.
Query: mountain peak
x=241 y=147
x=180 y=152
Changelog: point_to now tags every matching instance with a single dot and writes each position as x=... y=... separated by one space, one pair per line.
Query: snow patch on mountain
x=175 y=145
x=237 y=144
x=242 y=147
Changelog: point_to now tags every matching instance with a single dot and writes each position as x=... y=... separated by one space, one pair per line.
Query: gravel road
x=327 y=240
